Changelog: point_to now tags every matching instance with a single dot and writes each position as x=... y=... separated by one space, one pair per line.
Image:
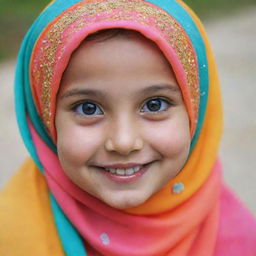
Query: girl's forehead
x=126 y=62
x=136 y=49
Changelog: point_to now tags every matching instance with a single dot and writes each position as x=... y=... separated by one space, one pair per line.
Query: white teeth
x=112 y=170
x=120 y=171
x=136 y=168
x=129 y=171
x=124 y=172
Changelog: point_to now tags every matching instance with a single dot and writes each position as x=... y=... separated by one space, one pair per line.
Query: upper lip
x=122 y=165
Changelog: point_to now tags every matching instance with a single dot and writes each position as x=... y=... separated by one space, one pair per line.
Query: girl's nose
x=124 y=138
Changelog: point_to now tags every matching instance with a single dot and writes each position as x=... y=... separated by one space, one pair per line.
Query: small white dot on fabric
x=177 y=188
x=203 y=93
x=104 y=238
x=204 y=66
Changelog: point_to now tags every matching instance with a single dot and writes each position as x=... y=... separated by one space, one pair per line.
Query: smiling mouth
x=124 y=171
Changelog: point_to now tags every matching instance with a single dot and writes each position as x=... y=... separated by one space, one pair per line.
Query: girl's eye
x=155 y=105
x=88 y=108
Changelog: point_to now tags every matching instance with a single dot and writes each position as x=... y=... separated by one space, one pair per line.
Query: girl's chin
x=124 y=202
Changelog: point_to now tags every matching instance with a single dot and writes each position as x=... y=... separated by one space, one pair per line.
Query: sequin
x=104 y=238
x=177 y=188
x=52 y=43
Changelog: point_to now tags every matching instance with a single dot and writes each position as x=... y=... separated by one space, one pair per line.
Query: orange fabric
x=26 y=222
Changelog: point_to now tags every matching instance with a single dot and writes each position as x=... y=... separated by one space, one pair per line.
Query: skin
x=120 y=76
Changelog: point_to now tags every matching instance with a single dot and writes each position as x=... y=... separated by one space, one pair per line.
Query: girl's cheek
x=78 y=144
x=171 y=138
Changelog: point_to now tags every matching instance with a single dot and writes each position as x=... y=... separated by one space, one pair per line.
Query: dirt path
x=233 y=41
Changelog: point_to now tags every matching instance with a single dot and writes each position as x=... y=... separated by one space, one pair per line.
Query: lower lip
x=126 y=179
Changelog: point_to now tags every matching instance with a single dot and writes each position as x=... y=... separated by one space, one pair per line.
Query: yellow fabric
x=26 y=223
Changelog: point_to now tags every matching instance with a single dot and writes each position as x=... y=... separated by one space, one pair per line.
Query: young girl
x=119 y=106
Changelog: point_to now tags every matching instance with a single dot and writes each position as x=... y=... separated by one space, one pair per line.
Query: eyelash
x=167 y=104
x=78 y=107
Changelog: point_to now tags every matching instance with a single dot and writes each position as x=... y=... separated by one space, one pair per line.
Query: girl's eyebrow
x=80 y=92
x=160 y=87
x=102 y=94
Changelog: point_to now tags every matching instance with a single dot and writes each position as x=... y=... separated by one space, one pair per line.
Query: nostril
x=124 y=146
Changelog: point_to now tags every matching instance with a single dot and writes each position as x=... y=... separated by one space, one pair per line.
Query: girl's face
x=122 y=127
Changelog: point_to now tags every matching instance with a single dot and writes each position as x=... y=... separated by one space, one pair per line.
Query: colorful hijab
x=183 y=217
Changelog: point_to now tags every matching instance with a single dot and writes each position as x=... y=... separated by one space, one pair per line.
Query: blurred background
x=231 y=27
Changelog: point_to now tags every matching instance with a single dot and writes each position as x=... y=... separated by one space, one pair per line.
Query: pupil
x=154 y=105
x=89 y=108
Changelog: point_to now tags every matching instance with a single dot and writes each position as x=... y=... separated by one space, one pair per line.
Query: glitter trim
x=51 y=45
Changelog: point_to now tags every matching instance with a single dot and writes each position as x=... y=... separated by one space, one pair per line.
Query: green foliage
x=15 y=18
x=17 y=15
x=208 y=9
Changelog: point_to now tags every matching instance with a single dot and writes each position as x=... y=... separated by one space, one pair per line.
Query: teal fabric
x=21 y=103
x=25 y=107
x=24 y=103
x=70 y=239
